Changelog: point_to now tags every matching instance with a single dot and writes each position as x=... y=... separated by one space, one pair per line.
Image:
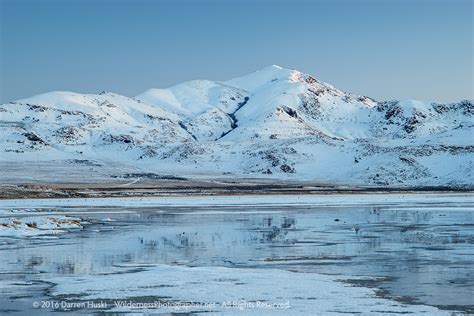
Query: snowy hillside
x=274 y=123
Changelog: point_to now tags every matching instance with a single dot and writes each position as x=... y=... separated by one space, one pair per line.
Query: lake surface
x=417 y=252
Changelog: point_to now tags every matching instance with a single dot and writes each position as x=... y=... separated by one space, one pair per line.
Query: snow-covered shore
x=246 y=200
x=35 y=225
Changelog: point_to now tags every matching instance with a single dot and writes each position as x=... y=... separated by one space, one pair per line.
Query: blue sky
x=419 y=49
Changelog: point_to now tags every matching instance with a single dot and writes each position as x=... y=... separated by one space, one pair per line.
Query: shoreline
x=164 y=188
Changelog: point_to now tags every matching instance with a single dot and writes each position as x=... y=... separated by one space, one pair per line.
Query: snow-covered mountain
x=273 y=123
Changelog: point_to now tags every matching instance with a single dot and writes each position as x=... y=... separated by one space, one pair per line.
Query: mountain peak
x=260 y=78
x=273 y=69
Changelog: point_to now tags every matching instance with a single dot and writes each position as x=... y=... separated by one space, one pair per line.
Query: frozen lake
x=395 y=253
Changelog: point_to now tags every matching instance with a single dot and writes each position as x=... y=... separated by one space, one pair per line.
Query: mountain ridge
x=274 y=123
